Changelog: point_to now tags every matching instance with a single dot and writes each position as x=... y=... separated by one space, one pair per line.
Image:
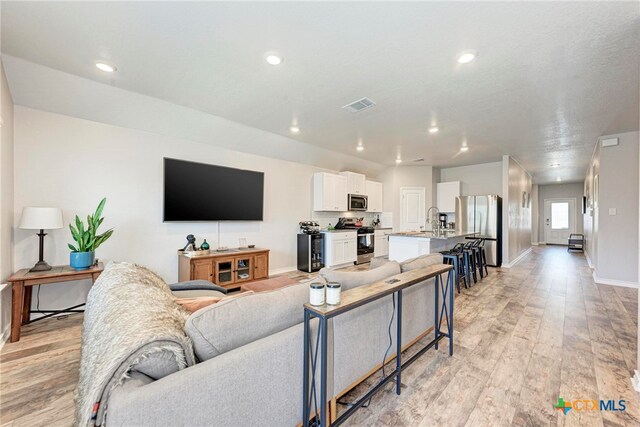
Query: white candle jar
x=316 y=293
x=333 y=293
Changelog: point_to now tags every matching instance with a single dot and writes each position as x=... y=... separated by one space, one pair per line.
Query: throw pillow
x=195 y=304
x=353 y=279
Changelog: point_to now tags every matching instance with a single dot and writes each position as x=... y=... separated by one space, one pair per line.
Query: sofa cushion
x=353 y=279
x=230 y=324
x=421 y=262
x=193 y=304
x=378 y=262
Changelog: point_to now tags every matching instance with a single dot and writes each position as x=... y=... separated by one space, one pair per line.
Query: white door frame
x=422 y=208
x=572 y=201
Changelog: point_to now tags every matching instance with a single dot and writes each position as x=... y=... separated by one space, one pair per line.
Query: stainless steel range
x=365 y=237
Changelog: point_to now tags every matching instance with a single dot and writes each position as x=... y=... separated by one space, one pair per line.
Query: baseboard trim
x=535 y=243
x=6 y=333
x=614 y=282
x=283 y=270
x=517 y=260
x=589 y=263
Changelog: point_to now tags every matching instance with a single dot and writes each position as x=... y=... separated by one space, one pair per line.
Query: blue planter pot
x=82 y=260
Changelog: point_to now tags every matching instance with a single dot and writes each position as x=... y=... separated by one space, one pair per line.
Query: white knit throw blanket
x=130 y=314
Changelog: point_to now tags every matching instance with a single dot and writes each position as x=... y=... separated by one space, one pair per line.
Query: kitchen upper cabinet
x=329 y=192
x=446 y=193
x=374 y=196
x=356 y=183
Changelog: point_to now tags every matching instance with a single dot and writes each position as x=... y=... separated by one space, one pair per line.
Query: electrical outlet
x=613 y=211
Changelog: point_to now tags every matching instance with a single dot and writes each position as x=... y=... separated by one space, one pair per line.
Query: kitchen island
x=407 y=245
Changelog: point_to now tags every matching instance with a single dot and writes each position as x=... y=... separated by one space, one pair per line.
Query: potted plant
x=87 y=239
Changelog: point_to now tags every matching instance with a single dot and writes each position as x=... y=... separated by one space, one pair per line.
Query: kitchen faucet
x=434 y=219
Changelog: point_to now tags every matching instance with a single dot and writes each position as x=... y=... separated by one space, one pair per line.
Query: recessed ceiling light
x=559 y=179
x=360 y=148
x=105 y=67
x=294 y=129
x=433 y=129
x=273 y=58
x=467 y=56
x=555 y=165
x=464 y=148
x=398 y=160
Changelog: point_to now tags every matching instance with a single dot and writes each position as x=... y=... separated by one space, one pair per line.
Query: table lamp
x=41 y=219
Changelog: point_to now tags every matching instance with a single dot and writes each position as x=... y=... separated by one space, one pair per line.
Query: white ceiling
x=549 y=78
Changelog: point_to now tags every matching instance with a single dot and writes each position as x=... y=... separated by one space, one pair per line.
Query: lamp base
x=41 y=266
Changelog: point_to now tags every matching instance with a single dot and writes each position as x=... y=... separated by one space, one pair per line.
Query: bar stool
x=457 y=258
x=477 y=253
x=483 y=257
x=471 y=256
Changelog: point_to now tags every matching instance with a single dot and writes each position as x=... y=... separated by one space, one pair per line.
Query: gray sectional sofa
x=249 y=355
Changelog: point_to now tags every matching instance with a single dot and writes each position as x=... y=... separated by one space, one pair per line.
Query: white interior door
x=412 y=208
x=560 y=220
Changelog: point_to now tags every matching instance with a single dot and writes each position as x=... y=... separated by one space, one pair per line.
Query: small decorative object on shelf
x=191 y=240
x=316 y=294
x=333 y=293
x=88 y=240
x=242 y=242
x=204 y=246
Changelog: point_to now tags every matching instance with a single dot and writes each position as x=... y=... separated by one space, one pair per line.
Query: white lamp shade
x=41 y=218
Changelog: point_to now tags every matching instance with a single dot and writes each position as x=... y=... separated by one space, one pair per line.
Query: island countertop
x=443 y=235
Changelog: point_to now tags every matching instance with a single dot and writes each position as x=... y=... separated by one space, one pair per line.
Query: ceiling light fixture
x=433 y=129
x=273 y=58
x=398 y=160
x=360 y=148
x=559 y=179
x=555 y=165
x=294 y=129
x=464 y=148
x=105 y=67
x=467 y=56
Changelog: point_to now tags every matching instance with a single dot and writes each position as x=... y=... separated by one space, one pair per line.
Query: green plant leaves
x=87 y=239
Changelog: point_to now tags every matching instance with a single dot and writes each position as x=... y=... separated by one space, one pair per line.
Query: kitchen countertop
x=450 y=234
x=343 y=230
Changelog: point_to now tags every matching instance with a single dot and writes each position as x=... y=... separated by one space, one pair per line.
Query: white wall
x=617 y=235
x=72 y=163
x=6 y=202
x=535 y=214
x=484 y=178
x=573 y=190
x=516 y=219
x=406 y=176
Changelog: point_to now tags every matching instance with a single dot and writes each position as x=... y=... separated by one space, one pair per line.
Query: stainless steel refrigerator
x=482 y=215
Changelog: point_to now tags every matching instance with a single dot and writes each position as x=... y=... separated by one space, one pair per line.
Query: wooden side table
x=22 y=286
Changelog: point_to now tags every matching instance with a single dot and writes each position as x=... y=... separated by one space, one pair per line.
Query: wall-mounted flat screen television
x=201 y=192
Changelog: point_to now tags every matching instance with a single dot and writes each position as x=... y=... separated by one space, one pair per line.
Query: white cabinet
x=355 y=183
x=329 y=192
x=446 y=193
x=340 y=248
x=381 y=243
x=374 y=196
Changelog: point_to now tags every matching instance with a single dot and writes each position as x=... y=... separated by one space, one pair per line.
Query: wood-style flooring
x=523 y=338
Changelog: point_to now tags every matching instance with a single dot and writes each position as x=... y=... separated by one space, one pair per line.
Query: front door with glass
x=559 y=220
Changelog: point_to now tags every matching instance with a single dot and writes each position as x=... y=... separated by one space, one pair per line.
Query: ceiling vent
x=418 y=160
x=359 y=105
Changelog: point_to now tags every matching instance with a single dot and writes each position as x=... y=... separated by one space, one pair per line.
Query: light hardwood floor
x=523 y=337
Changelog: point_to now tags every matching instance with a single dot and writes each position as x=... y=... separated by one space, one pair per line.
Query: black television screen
x=201 y=192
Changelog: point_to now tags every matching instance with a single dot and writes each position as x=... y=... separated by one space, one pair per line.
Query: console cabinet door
x=261 y=266
x=202 y=270
x=224 y=271
x=243 y=268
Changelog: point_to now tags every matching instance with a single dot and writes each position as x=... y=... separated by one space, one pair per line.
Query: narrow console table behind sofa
x=315 y=349
x=229 y=269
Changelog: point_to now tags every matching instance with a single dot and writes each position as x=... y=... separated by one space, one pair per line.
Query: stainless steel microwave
x=358 y=202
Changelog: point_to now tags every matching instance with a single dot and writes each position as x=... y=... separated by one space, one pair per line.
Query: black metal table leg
x=451 y=298
x=399 y=344
x=305 y=372
x=323 y=372
x=436 y=324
